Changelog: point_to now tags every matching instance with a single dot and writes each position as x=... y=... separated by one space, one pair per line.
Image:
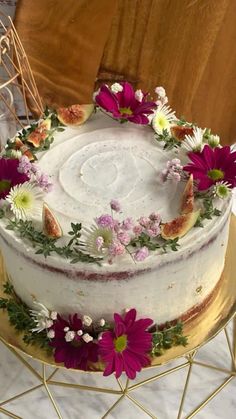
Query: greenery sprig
x=19 y=317
x=170 y=141
x=208 y=211
x=155 y=243
x=166 y=337
x=47 y=246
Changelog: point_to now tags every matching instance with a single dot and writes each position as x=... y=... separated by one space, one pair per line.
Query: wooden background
x=188 y=46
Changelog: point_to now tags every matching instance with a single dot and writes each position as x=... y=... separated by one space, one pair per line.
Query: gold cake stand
x=212 y=320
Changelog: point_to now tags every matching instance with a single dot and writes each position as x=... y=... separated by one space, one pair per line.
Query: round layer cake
x=89 y=166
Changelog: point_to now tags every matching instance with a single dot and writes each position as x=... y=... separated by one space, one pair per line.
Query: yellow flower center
x=215 y=174
x=23 y=200
x=120 y=343
x=126 y=111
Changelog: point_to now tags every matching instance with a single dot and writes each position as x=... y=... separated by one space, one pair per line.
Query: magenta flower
x=124 y=105
x=126 y=347
x=213 y=165
x=70 y=347
x=9 y=176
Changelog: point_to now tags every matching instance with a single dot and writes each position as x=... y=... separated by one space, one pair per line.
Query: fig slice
x=51 y=226
x=39 y=135
x=75 y=114
x=180 y=131
x=179 y=226
x=187 y=203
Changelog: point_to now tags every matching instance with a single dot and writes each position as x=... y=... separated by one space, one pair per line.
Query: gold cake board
x=212 y=320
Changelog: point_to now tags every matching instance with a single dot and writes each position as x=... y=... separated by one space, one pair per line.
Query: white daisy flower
x=25 y=200
x=193 y=142
x=41 y=317
x=16 y=154
x=162 y=119
x=222 y=190
x=92 y=235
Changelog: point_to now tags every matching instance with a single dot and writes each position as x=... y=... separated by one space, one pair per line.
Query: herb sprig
x=166 y=337
x=155 y=243
x=47 y=246
x=209 y=211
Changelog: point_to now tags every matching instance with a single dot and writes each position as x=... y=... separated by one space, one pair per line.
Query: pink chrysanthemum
x=124 y=105
x=9 y=176
x=213 y=165
x=126 y=347
x=70 y=347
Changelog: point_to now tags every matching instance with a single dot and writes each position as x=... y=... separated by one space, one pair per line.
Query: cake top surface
x=115 y=192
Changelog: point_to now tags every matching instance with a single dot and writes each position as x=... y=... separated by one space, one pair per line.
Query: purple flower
x=115 y=205
x=24 y=165
x=213 y=165
x=124 y=105
x=43 y=182
x=105 y=221
x=141 y=254
x=116 y=248
x=126 y=347
x=10 y=176
x=127 y=224
x=69 y=345
x=124 y=237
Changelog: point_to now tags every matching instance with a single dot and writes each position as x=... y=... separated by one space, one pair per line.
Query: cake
x=153 y=197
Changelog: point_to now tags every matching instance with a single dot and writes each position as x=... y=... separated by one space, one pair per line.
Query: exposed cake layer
x=164 y=289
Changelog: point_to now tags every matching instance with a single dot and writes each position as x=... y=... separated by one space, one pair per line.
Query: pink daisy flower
x=126 y=347
x=124 y=105
x=213 y=165
x=69 y=345
x=9 y=176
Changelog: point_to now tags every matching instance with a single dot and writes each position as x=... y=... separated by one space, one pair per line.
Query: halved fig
x=75 y=114
x=180 y=131
x=51 y=226
x=39 y=135
x=18 y=143
x=28 y=154
x=179 y=226
x=187 y=203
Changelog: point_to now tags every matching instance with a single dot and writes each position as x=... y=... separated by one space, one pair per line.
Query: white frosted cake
x=143 y=250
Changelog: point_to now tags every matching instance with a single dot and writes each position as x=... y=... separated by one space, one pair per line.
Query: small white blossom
x=139 y=95
x=160 y=91
x=69 y=336
x=66 y=329
x=53 y=315
x=51 y=334
x=222 y=190
x=102 y=322
x=87 y=321
x=79 y=332
x=87 y=338
x=116 y=87
x=213 y=141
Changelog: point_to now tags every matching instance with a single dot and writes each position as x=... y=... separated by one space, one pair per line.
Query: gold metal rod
x=10 y=414
x=162 y=374
x=50 y=394
x=234 y=338
x=113 y=406
x=209 y=398
x=52 y=375
x=126 y=385
x=201 y=364
x=184 y=391
x=8 y=81
x=230 y=348
x=21 y=394
x=22 y=360
x=120 y=384
x=141 y=406
x=82 y=387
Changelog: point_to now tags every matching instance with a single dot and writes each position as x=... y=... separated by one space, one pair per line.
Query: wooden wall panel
x=185 y=45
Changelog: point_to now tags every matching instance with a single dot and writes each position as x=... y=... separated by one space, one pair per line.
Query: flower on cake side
x=123 y=103
x=126 y=345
